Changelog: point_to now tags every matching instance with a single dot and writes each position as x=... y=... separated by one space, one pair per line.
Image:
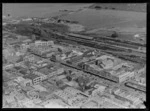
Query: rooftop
x=120 y=69
x=31 y=76
x=49 y=69
x=44 y=71
x=143 y=75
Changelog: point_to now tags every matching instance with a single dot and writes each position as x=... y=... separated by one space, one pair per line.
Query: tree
x=69 y=78
x=82 y=82
x=58 y=20
x=68 y=75
x=114 y=35
x=70 y=71
x=60 y=50
x=59 y=83
x=98 y=7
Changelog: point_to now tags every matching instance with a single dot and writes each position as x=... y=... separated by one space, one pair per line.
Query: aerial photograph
x=74 y=55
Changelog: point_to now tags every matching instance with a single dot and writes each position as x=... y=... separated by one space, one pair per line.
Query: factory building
x=118 y=73
x=122 y=72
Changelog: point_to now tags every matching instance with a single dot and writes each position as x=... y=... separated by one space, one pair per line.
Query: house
x=26 y=82
x=72 y=91
x=63 y=95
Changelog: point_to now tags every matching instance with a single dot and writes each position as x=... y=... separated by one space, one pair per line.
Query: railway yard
x=45 y=65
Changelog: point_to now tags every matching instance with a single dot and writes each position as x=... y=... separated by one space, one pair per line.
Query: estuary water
x=38 y=9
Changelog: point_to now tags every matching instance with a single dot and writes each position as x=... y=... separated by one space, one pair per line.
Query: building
x=127 y=96
x=90 y=104
x=55 y=103
x=107 y=62
x=49 y=86
x=43 y=76
x=96 y=99
x=26 y=82
x=69 y=55
x=28 y=103
x=45 y=95
x=29 y=58
x=72 y=90
x=49 y=54
x=35 y=78
x=11 y=71
x=74 y=59
x=142 y=79
x=108 y=103
x=44 y=70
x=44 y=43
x=33 y=94
x=52 y=71
x=89 y=53
x=27 y=41
x=99 y=89
x=32 y=58
x=118 y=73
x=139 y=70
x=122 y=72
x=20 y=96
x=8 y=66
x=10 y=99
x=63 y=95
x=71 y=83
x=77 y=100
x=20 y=64
x=42 y=48
x=40 y=88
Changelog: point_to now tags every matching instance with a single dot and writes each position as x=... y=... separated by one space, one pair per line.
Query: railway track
x=94 y=44
x=135 y=86
x=107 y=48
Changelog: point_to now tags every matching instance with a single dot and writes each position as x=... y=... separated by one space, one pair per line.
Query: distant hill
x=138 y=7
